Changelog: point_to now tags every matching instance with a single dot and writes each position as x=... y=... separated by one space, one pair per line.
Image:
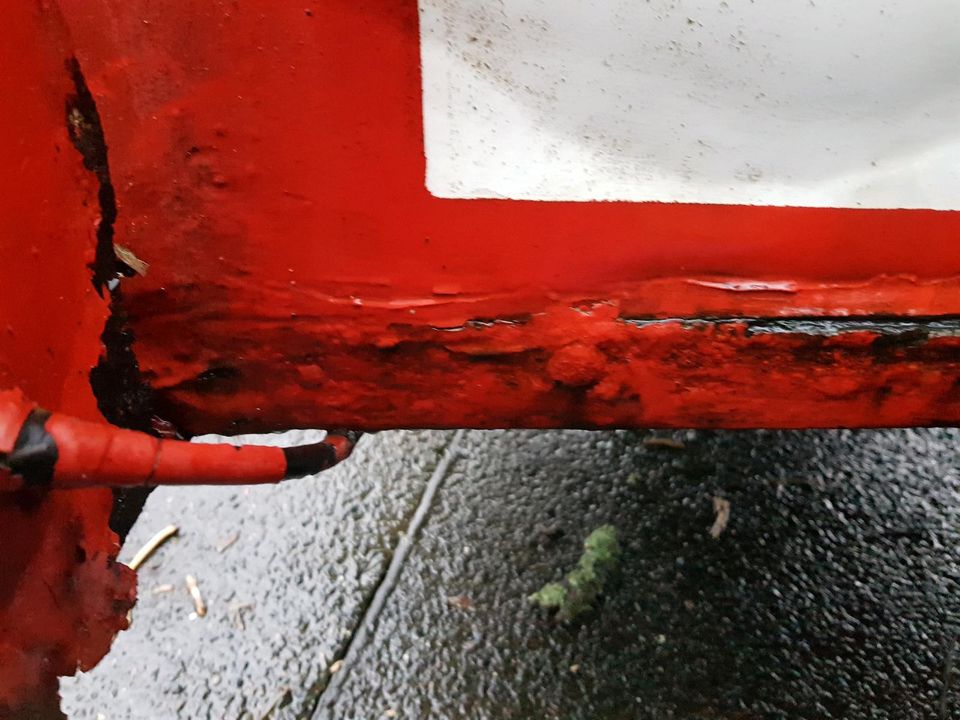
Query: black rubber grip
x=35 y=453
x=305 y=460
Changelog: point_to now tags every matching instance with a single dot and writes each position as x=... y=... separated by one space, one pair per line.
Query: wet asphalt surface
x=831 y=593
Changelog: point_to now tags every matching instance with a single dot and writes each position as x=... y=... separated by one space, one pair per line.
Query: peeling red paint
x=569 y=367
x=268 y=165
x=270 y=168
x=62 y=596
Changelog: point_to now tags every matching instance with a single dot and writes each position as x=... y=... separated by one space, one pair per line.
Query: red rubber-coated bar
x=94 y=454
x=40 y=449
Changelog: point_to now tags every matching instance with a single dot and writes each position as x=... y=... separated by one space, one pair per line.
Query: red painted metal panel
x=269 y=165
x=62 y=597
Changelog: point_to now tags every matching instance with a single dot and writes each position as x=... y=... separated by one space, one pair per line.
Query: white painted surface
x=826 y=103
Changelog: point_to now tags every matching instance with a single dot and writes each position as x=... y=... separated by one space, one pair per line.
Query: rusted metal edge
x=922 y=326
x=565 y=367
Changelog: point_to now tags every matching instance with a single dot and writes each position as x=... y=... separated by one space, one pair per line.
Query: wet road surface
x=831 y=593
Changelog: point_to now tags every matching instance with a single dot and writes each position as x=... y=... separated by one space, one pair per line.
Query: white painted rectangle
x=821 y=103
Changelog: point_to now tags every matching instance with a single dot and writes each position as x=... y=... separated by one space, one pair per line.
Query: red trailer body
x=266 y=161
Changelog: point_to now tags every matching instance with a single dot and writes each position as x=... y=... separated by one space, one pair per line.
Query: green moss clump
x=550 y=596
x=579 y=590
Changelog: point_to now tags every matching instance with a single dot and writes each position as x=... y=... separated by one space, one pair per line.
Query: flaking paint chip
x=128 y=258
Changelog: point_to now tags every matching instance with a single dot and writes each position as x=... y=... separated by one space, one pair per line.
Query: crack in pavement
x=327 y=696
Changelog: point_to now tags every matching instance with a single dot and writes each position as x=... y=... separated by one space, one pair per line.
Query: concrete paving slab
x=283 y=599
x=831 y=593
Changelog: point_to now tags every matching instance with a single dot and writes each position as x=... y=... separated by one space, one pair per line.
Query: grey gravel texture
x=283 y=599
x=831 y=593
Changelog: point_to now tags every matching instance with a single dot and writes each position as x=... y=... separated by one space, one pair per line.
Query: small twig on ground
x=194 y=589
x=663 y=442
x=236 y=611
x=722 y=508
x=161 y=589
x=461 y=602
x=816 y=483
x=223 y=545
x=156 y=541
